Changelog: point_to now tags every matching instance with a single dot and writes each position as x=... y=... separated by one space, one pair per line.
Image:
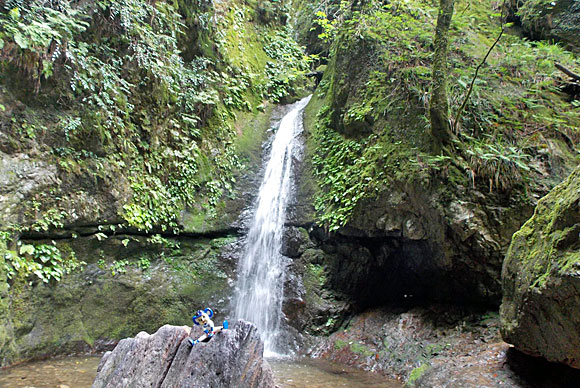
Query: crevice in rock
x=380 y=271
x=169 y=363
x=65 y=234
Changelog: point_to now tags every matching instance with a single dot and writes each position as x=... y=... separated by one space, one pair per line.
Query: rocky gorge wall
x=379 y=224
x=124 y=216
x=390 y=223
x=129 y=280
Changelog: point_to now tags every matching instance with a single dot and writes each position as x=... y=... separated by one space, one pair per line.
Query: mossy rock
x=541 y=279
x=558 y=20
x=416 y=375
x=122 y=291
x=7 y=347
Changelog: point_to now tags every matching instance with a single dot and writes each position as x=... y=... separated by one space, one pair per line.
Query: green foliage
x=202 y=268
x=531 y=12
x=358 y=348
x=373 y=133
x=400 y=29
x=287 y=66
x=330 y=322
x=119 y=267
x=317 y=271
x=236 y=88
x=502 y=166
x=163 y=242
x=391 y=47
x=340 y=344
x=352 y=170
x=220 y=242
x=518 y=90
x=130 y=101
x=144 y=263
x=416 y=374
x=152 y=205
x=337 y=171
x=328 y=26
x=34 y=36
x=44 y=261
x=52 y=218
x=268 y=61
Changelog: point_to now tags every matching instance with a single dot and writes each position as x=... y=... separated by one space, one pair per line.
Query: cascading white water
x=260 y=285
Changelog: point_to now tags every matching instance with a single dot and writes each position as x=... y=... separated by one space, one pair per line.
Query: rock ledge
x=234 y=358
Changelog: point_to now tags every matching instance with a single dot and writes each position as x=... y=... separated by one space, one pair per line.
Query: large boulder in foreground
x=234 y=358
x=541 y=279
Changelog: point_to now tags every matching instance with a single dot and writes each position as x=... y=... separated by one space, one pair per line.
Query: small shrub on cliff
x=33 y=37
x=503 y=166
x=46 y=262
x=287 y=69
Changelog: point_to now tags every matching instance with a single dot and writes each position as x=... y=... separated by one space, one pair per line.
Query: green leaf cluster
x=287 y=67
x=33 y=36
x=503 y=165
x=45 y=261
x=329 y=27
x=350 y=171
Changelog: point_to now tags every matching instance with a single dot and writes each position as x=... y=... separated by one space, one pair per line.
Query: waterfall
x=259 y=290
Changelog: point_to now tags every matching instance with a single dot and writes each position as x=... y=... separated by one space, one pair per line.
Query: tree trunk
x=439 y=105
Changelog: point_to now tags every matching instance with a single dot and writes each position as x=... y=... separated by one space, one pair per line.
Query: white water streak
x=260 y=286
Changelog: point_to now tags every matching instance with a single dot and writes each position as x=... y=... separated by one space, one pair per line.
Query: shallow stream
x=71 y=372
x=308 y=373
x=79 y=372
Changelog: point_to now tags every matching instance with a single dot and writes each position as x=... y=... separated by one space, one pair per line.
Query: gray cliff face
x=234 y=358
x=21 y=175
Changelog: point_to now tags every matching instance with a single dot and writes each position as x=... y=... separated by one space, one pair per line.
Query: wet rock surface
x=541 y=279
x=233 y=358
x=440 y=346
x=110 y=299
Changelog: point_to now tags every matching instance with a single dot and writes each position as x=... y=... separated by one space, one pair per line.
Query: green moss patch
x=549 y=244
x=416 y=374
